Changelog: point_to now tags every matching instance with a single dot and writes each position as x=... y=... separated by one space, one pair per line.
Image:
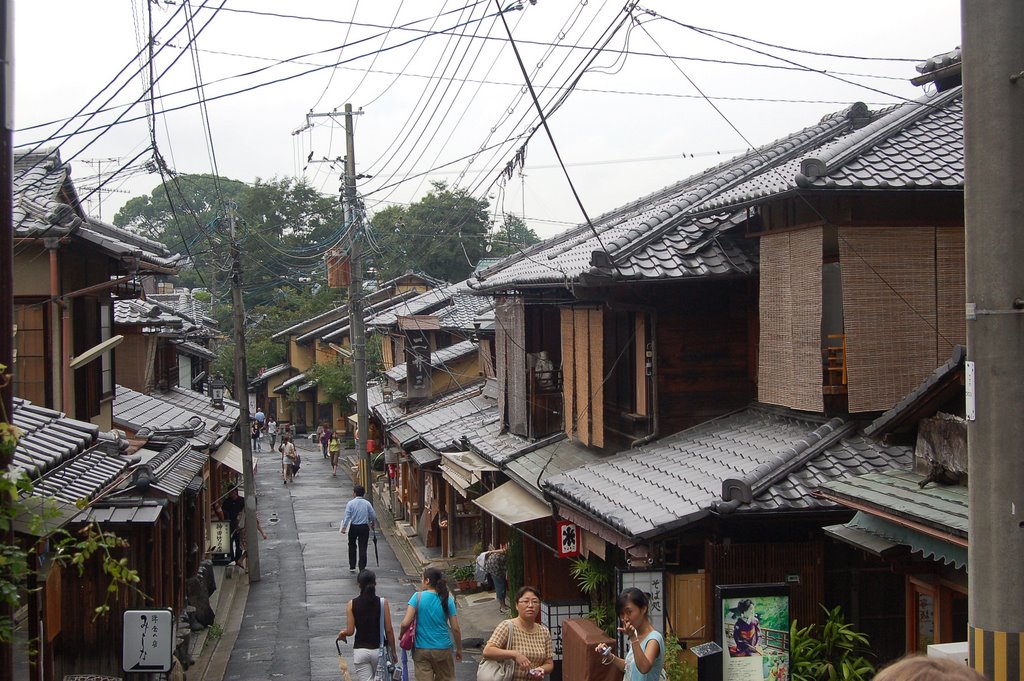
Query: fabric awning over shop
x=511 y=504
x=230 y=455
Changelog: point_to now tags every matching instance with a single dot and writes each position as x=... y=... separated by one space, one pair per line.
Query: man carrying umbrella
x=359 y=517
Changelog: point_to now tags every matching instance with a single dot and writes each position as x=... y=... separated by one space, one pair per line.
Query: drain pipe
x=654 y=386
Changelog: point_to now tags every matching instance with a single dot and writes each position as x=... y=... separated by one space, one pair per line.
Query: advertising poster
x=754 y=632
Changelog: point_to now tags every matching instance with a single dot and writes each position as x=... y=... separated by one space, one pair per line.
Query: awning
x=230 y=455
x=424 y=457
x=882 y=538
x=463 y=469
x=511 y=504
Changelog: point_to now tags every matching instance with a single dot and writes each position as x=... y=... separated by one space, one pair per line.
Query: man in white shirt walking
x=359 y=518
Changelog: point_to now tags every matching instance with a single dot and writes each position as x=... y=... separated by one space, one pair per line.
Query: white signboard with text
x=148 y=641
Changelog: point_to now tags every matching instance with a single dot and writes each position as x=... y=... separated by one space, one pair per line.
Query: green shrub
x=837 y=653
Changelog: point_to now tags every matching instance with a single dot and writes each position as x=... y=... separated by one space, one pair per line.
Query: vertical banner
x=754 y=631
x=417 y=357
x=652 y=583
x=568 y=539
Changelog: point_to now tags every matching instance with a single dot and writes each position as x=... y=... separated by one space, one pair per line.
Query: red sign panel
x=568 y=539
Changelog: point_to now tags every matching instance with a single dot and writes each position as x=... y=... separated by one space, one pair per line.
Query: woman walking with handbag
x=430 y=615
x=520 y=649
x=646 y=647
x=368 y=617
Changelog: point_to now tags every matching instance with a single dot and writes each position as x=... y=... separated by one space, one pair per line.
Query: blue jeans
x=500 y=586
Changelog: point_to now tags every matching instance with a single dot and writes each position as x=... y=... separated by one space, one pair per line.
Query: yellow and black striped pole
x=993 y=81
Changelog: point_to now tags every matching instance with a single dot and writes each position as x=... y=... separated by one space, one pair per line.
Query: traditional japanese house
x=68 y=268
x=784 y=295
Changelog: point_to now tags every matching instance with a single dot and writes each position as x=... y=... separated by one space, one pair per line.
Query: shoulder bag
x=408 y=640
x=386 y=670
x=498 y=670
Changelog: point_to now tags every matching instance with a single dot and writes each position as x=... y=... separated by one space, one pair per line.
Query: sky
x=677 y=88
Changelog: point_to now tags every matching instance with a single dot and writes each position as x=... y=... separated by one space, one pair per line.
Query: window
x=32 y=342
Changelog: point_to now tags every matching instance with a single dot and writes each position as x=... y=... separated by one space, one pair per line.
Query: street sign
x=148 y=641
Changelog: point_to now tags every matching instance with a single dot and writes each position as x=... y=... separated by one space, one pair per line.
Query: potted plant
x=463 y=576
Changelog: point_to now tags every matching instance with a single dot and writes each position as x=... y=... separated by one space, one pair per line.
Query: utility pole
x=993 y=77
x=353 y=216
x=242 y=395
x=97 y=163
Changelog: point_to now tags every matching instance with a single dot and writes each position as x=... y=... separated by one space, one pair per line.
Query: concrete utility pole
x=353 y=217
x=252 y=536
x=993 y=76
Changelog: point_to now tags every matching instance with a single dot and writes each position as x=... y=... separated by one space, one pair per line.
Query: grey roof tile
x=162 y=421
x=81 y=477
x=779 y=454
x=48 y=438
x=439 y=359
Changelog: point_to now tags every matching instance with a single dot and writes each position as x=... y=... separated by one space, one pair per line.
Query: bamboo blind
x=583 y=373
x=387 y=353
x=568 y=375
x=510 y=356
x=951 y=282
x=789 y=370
x=889 y=304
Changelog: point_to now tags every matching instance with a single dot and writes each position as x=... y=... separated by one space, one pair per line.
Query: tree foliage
x=333 y=379
x=513 y=236
x=443 y=234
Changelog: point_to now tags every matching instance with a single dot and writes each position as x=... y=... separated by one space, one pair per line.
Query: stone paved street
x=293 y=614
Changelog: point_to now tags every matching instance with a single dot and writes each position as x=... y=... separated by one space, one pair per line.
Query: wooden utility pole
x=353 y=217
x=252 y=536
x=993 y=76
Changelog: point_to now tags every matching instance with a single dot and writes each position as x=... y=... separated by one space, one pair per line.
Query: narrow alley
x=293 y=614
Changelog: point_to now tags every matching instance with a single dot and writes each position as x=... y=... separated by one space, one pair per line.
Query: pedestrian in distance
x=921 y=668
x=243 y=540
x=325 y=440
x=289 y=456
x=254 y=433
x=359 y=518
x=260 y=417
x=494 y=565
x=233 y=507
x=645 y=656
x=523 y=640
x=272 y=432
x=363 y=619
x=437 y=629
x=334 y=449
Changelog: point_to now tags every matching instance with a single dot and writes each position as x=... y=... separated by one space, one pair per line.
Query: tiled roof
x=123 y=511
x=439 y=359
x=725 y=462
x=463 y=311
x=448 y=434
x=153 y=318
x=201 y=404
x=48 y=438
x=41 y=180
x=184 y=302
x=194 y=349
x=933 y=389
x=500 y=448
x=419 y=304
x=854 y=455
x=267 y=373
x=337 y=329
x=82 y=477
x=899 y=493
x=174 y=466
x=162 y=422
x=678 y=232
x=312 y=322
x=443 y=423
x=531 y=469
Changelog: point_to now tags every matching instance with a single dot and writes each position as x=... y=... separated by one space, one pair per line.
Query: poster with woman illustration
x=754 y=632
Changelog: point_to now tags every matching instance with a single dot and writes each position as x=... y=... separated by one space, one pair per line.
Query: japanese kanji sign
x=148 y=641
x=220 y=536
x=568 y=539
